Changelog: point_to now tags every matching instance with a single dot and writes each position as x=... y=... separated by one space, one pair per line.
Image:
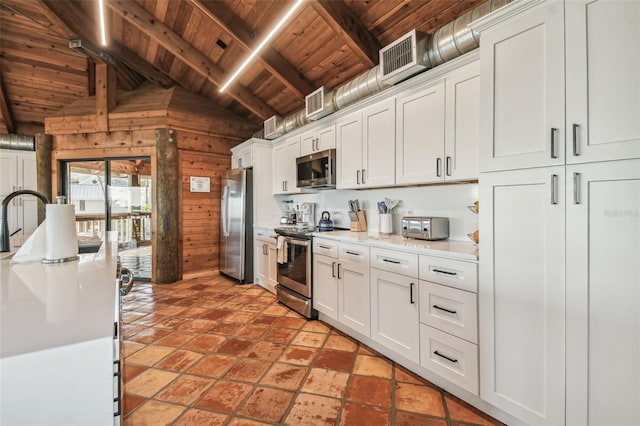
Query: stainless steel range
x=294 y=269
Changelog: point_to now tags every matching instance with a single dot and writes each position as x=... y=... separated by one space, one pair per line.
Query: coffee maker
x=306 y=215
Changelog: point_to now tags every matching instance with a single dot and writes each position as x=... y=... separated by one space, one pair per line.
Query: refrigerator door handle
x=225 y=211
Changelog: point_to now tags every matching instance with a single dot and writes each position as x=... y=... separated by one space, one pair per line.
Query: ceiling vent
x=319 y=103
x=273 y=127
x=404 y=57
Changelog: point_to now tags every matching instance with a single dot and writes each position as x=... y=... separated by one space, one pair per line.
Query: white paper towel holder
x=60 y=199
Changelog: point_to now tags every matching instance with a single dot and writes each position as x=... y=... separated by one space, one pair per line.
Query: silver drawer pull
x=411 y=293
x=324 y=247
x=395 y=262
x=333 y=269
x=554 y=131
x=445 y=272
x=353 y=253
x=444 y=356
x=445 y=309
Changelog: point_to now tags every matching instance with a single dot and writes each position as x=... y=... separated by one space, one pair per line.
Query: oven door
x=295 y=273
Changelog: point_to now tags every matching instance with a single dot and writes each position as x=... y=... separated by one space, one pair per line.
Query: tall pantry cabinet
x=560 y=211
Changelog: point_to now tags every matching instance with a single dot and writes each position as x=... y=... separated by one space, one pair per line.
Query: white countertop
x=47 y=306
x=444 y=248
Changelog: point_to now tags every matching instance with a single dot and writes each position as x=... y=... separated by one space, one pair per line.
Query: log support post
x=166 y=211
x=44 y=184
x=105 y=94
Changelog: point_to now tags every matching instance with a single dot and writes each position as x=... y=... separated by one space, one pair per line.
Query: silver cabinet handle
x=339 y=271
x=445 y=272
x=576 y=188
x=358 y=177
x=448 y=166
x=438 y=161
x=575 y=140
x=333 y=269
x=283 y=186
x=411 y=293
x=554 y=131
x=363 y=170
x=444 y=309
x=554 y=183
x=324 y=247
x=264 y=250
x=395 y=262
x=353 y=253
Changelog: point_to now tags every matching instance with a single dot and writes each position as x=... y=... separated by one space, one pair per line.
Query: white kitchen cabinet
x=353 y=288
x=603 y=88
x=394 y=313
x=522 y=89
x=420 y=125
x=365 y=148
x=325 y=285
x=603 y=293
x=265 y=258
x=522 y=293
x=284 y=166
x=318 y=139
x=18 y=171
x=462 y=123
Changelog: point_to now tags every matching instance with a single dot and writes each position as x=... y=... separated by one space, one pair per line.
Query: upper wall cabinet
x=284 y=166
x=523 y=84
x=18 y=171
x=603 y=80
x=318 y=139
x=365 y=147
x=437 y=129
x=522 y=90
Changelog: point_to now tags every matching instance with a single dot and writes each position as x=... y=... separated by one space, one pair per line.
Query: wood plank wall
x=200 y=230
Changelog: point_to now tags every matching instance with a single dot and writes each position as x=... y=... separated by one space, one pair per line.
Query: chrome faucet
x=5 y=242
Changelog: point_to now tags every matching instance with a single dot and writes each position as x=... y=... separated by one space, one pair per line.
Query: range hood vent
x=273 y=127
x=319 y=103
x=404 y=57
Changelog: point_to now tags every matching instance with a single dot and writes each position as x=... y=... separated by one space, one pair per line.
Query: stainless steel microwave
x=317 y=170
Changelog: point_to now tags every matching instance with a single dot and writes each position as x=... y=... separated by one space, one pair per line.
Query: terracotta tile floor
x=206 y=351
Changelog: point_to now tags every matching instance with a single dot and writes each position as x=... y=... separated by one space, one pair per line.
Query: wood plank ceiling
x=197 y=44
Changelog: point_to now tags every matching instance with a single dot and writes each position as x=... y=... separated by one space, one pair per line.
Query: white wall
x=440 y=200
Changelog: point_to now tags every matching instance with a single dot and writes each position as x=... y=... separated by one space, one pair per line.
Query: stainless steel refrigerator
x=236 y=225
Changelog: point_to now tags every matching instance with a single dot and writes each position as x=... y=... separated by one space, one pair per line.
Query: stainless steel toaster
x=425 y=228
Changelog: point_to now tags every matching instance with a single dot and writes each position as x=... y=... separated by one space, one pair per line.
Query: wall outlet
x=407 y=212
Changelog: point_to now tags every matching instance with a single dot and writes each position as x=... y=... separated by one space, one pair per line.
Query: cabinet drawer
x=326 y=247
x=353 y=253
x=266 y=236
x=454 y=273
x=395 y=261
x=450 y=310
x=450 y=357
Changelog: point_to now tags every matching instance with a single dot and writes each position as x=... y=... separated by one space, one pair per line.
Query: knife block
x=359 y=225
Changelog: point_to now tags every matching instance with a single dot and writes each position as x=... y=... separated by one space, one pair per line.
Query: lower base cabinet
x=266 y=269
x=325 y=285
x=394 y=313
x=353 y=296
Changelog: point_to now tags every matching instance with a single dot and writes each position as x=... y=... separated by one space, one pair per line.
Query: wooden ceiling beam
x=5 y=109
x=345 y=23
x=172 y=42
x=72 y=16
x=281 y=69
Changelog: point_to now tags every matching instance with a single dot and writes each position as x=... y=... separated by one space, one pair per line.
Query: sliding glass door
x=113 y=195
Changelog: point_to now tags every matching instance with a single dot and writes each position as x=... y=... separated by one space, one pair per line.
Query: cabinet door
x=603 y=293
x=8 y=173
x=522 y=90
x=349 y=151
x=420 y=135
x=325 y=285
x=522 y=293
x=394 y=313
x=462 y=118
x=272 y=267
x=291 y=178
x=308 y=142
x=260 y=255
x=326 y=138
x=280 y=157
x=378 y=144
x=353 y=296
x=603 y=101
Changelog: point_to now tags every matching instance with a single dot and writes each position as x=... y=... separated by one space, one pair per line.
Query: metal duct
x=448 y=42
x=19 y=142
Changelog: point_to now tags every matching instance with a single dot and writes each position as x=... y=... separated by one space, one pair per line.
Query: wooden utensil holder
x=359 y=225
